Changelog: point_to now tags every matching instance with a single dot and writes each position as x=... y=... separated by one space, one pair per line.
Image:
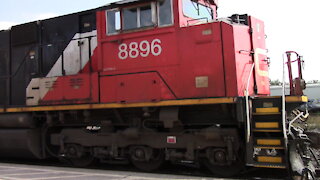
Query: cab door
x=260 y=56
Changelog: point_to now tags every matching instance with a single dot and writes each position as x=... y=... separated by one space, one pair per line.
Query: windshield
x=196 y=10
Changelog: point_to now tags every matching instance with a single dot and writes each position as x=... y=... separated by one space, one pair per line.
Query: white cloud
x=44 y=16
x=34 y=17
x=6 y=25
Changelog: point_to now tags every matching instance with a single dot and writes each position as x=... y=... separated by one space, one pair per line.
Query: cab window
x=113 y=19
x=148 y=15
x=165 y=12
x=130 y=18
x=138 y=17
x=197 y=11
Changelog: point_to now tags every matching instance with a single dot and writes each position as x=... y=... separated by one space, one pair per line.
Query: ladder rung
x=271 y=166
x=267 y=125
x=267 y=130
x=263 y=114
x=270 y=159
x=269 y=142
x=268 y=110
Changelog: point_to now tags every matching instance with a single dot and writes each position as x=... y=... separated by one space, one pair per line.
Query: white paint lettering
x=143 y=49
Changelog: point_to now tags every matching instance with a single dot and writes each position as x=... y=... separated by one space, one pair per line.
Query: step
x=268 y=142
x=270 y=159
x=267 y=130
x=267 y=125
x=267 y=165
x=268 y=110
x=266 y=113
x=289 y=99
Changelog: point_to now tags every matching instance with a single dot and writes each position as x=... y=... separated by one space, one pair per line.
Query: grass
x=314 y=121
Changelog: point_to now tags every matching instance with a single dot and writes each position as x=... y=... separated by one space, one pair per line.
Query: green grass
x=314 y=121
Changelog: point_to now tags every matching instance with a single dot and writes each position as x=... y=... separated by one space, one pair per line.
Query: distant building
x=312 y=91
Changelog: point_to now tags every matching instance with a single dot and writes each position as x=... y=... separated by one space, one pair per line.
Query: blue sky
x=290 y=24
x=23 y=11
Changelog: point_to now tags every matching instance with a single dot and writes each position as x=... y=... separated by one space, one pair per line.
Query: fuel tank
x=19 y=136
x=21 y=143
x=17 y=121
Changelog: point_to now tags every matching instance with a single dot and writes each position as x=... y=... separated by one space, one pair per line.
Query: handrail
x=291 y=124
x=296 y=87
x=284 y=128
x=247 y=105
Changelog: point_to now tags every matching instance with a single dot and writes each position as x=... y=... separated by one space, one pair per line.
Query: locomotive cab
x=176 y=45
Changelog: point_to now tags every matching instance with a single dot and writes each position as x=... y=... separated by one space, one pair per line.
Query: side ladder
x=267 y=146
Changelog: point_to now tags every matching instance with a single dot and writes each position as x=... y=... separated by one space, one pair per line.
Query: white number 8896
x=144 y=48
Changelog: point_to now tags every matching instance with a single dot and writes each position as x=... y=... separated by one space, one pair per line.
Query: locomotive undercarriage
x=206 y=135
x=147 y=137
x=211 y=135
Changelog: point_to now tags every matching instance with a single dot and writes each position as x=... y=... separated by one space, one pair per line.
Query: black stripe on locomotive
x=30 y=50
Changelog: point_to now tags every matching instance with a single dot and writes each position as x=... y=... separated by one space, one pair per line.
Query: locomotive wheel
x=147 y=159
x=78 y=157
x=224 y=170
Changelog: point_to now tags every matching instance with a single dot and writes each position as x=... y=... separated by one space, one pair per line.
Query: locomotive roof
x=70 y=14
x=126 y=1
x=132 y=1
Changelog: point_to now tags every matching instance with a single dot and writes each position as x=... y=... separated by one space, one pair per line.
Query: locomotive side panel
x=229 y=59
x=67 y=39
x=57 y=35
x=243 y=59
x=68 y=48
x=25 y=59
x=240 y=55
x=50 y=48
x=4 y=67
x=201 y=70
x=74 y=89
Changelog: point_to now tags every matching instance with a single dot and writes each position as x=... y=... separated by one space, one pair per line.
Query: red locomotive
x=145 y=82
